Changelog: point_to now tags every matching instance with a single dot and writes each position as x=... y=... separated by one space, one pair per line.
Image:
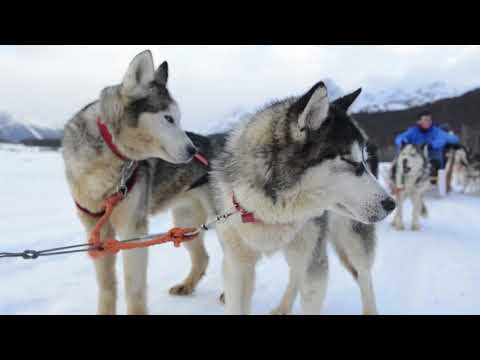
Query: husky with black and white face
x=410 y=178
x=287 y=164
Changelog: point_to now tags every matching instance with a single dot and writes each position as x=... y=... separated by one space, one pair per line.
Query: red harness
x=247 y=217
x=130 y=183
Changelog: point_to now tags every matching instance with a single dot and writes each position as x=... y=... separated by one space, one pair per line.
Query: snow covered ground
x=434 y=271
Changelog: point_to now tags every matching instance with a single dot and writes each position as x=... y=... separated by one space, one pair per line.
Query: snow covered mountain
x=392 y=99
x=395 y=99
x=228 y=121
x=12 y=131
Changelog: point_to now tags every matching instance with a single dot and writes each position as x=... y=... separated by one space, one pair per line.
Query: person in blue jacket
x=427 y=133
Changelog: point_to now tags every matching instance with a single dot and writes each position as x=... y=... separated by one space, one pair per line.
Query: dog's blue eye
x=169 y=119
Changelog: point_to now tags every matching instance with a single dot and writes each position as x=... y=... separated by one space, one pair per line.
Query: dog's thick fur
x=144 y=121
x=288 y=164
x=410 y=176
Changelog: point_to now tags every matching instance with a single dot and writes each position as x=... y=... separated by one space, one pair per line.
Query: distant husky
x=473 y=175
x=136 y=120
x=457 y=167
x=410 y=178
x=282 y=169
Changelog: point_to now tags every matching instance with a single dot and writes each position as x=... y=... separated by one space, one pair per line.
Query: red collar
x=247 y=217
x=107 y=137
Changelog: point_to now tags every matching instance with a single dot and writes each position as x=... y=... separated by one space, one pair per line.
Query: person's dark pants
x=435 y=166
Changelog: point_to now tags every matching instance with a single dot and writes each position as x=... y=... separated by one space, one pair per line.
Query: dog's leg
x=366 y=290
x=192 y=216
x=130 y=221
x=296 y=257
x=398 y=219
x=314 y=285
x=238 y=275
x=106 y=279
x=239 y=281
x=135 y=263
x=361 y=272
x=417 y=209
x=308 y=262
x=104 y=269
x=359 y=264
x=288 y=299
x=355 y=245
x=424 y=211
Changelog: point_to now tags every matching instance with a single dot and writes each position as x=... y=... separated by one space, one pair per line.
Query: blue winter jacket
x=435 y=137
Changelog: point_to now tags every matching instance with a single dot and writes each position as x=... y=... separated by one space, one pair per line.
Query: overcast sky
x=48 y=84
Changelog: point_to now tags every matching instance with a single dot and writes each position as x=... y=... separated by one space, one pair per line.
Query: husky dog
x=354 y=243
x=457 y=167
x=410 y=178
x=141 y=121
x=282 y=169
x=473 y=175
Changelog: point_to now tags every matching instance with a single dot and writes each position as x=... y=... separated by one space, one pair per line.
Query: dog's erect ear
x=312 y=108
x=161 y=75
x=346 y=101
x=140 y=74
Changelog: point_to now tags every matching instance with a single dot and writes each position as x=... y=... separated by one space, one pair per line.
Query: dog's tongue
x=201 y=159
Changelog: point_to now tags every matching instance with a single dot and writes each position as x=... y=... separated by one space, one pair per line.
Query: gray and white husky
x=283 y=168
x=353 y=241
x=143 y=122
x=473 y=175
x=410 y=178
x=457 y=167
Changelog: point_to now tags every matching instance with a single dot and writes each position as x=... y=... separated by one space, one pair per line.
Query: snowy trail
x=434 y=271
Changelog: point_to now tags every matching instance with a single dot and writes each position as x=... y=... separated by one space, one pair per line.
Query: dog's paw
x=181 y=290
x=279 y=311
x=415 y=227
x=221 y=298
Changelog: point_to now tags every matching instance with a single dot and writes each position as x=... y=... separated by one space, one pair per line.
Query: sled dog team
x=300 y=170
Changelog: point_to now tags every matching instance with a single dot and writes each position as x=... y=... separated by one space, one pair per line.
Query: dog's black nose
x=388 y=205
x=192 y=150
